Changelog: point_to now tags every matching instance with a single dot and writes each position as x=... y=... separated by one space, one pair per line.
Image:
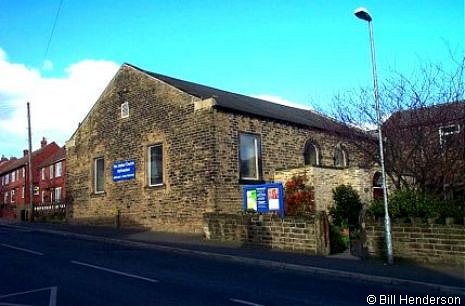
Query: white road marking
x=244 y=302
x=27 y=292
x=20 y=249
x=16 y=228
x=114 y=271
x=53 y=296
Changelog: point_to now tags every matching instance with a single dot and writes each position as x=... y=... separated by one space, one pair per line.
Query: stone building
x=162 y=152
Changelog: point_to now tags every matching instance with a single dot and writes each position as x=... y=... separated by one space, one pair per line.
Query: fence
x=54 y=209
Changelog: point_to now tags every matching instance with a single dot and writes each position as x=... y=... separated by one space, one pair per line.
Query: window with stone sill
x=155 y=165
x=125 y=110
x=99 y=167
x=340 y=157
x=249 y=157
x=311 y=154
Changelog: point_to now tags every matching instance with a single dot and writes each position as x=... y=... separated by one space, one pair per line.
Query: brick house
x=14 y=180
x=52 y=171
x=425 y=147
x=187 y=149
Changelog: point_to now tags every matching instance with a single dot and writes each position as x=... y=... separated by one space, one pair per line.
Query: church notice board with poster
x=264 y=198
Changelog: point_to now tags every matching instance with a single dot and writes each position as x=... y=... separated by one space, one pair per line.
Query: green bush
x=347 y=207
x=409 y=203
x=338 y=242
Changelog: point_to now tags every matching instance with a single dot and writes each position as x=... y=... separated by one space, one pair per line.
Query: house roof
x=58 y=156
x=436 y=114
x=253 y=106
x=15 y=164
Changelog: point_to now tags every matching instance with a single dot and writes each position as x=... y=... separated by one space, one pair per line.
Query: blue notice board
x=264 y=198
x=124 y=170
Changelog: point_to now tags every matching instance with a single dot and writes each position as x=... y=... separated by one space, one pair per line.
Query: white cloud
x=57 y=104
x=280 y=100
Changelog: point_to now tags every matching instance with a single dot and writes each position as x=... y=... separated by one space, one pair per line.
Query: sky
x=60 y=54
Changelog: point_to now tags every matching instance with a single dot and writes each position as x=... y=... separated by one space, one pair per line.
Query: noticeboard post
x=264 y=198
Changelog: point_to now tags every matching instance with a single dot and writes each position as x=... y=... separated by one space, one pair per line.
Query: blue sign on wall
x=264 y=198
x=124 y=170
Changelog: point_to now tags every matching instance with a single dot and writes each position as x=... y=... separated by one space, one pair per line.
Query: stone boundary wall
x=297 y=234
x=325 y=179
x=432 y=243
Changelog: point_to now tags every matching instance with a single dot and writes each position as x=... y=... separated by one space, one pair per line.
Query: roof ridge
x=230 y=101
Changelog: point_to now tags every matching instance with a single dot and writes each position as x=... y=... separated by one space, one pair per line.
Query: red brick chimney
x=43 y=143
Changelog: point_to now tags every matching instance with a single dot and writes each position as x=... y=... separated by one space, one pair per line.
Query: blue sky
x=302 y=52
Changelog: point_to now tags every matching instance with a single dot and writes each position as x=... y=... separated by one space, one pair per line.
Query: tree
x=423 y=128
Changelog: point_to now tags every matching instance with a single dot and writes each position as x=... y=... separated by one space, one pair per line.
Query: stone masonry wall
x=420 y=242
x=200 y=154
x=159 y=114
x=324 y=180
x=282 y=147
x=303 y=235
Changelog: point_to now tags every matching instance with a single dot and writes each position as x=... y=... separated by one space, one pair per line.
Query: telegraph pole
x=29 y=163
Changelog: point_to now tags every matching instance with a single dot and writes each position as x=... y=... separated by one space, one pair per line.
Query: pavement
x=446 y=279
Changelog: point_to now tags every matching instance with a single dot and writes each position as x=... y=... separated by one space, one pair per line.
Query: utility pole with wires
x=29 y=164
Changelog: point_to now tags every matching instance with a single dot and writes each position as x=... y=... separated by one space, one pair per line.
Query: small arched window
x=340 y=157
x=377 y=186
x=311 y=154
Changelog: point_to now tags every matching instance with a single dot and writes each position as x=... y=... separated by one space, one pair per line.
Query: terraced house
x=14 y=180
x=163 y=151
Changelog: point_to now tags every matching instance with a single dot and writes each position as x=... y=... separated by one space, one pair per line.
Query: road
x=43 y=269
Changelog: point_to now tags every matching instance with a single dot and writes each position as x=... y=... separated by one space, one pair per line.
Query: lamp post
x=363 y=14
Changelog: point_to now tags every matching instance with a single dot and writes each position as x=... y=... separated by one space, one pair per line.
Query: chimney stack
x=25 y=152
x=43 y=143
x=3 y=158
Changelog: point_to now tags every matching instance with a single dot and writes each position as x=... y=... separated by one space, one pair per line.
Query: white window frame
x=149 y=165
x=13 y=176
x=42 y=173
x=124 y=109
x=22 y=192
x=13 y=196
x=52 y=172
x=96 y=190
x=58 y=169
x=257 y=154
x=24 y=172
x=443 y=134
x=317 y=154
x=344 y=156
x=43 y=196
x=57 y=193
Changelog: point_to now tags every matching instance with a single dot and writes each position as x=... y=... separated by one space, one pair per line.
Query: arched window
x=377 y=186
x=311 y=154
x=340 y=157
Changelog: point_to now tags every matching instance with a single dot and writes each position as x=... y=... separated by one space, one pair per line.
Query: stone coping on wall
x=307 y=234
x=434 y=243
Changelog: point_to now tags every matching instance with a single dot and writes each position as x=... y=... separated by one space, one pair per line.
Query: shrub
x=298 y=197
x=409 y=203
x=347 y=207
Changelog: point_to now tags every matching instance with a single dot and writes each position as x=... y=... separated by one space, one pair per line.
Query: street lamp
x=363 y=14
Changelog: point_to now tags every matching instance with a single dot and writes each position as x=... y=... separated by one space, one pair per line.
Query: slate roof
x=248 y=105
x=59 y=155
x=432 y=115
x=14 y=164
